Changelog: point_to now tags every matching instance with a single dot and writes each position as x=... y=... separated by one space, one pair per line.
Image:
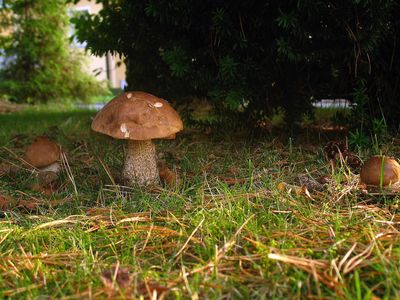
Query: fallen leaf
x=167 y=176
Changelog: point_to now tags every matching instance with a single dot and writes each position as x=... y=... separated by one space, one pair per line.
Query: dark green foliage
x=250 y=57
x=41 y=66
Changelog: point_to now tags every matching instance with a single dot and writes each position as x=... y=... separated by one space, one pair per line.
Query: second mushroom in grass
x=44 y=155
x=138 y=117
x=380 y=171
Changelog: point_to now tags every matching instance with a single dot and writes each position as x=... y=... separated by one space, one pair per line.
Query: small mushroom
x=138 y=117
x=380 y=166
x=44 y=154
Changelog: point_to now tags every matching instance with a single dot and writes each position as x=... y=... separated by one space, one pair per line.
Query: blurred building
x=108 y=67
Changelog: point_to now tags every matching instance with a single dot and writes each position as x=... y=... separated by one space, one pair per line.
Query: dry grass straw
x=67 y=168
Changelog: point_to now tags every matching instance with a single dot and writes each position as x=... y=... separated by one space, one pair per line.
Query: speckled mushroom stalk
x=140 y=165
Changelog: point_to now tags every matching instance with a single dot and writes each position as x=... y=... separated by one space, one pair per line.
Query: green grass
x=205 y=239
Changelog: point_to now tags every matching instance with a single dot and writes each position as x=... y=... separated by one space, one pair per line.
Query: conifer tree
x=251 y=57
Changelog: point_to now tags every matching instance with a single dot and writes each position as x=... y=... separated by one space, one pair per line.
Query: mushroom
x=380 y=166
x=138 y=117
x=44 y=154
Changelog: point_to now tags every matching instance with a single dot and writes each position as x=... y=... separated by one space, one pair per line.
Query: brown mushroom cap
x=42 y=152
x=137 y=116
x=372 y=169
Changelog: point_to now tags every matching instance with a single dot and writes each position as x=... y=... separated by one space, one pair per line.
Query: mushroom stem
x=140 y=166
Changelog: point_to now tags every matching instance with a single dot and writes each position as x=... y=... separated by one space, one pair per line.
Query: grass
x=238 y=227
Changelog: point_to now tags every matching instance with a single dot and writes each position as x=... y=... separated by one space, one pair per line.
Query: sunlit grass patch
x=238 y=226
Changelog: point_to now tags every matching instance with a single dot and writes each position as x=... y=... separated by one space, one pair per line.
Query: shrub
x=251 y=57
x=40 y=65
